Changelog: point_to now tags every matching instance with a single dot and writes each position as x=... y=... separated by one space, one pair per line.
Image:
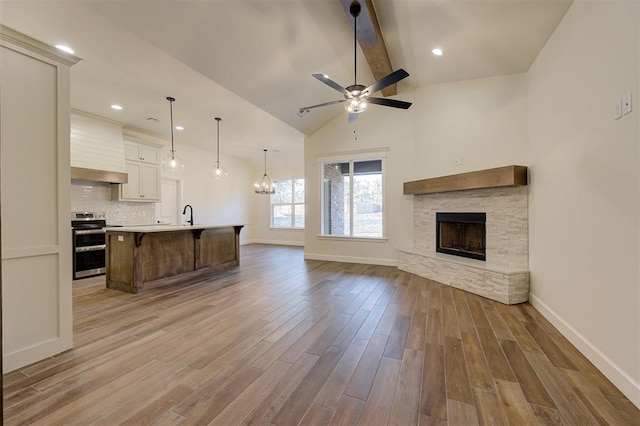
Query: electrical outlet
x=617 y=109
x=459 y=161
x=626 y=103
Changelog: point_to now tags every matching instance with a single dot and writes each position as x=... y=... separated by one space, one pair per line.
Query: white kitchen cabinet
x=142 y=165
x=140 y=152
x=143 y=185
x=150 y=181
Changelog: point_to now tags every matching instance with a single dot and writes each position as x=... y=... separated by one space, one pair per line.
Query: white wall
x=482 y=120
x=378 y=127
x=225 y=201
x=261 y=220
x=584 y=192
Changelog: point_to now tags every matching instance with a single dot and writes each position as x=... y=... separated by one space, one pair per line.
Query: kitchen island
x=144 y=257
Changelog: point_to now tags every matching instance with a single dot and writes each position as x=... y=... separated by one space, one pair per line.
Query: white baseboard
x=25 y=356
x=610 y=369
x=273 y=242
x=351 y=259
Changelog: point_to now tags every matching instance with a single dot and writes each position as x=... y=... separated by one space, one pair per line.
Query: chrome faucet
x=184 y=211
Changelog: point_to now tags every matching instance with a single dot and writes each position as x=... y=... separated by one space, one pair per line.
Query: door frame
x=179 y=191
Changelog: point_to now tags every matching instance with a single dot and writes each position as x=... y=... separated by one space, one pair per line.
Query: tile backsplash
x=96 y=197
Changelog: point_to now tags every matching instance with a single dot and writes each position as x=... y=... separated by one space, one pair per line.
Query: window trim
x=360 y=154
x=293 y=208
x=351 y=157
x=346 y=238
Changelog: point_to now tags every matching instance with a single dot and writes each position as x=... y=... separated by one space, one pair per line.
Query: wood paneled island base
x=140 y=258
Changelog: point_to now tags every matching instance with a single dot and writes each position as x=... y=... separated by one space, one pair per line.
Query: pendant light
x=265 y=186
x=172 y=163
x=217 y=171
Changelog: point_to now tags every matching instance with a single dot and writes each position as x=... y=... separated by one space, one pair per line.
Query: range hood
x=93 y=175
x=97 y=149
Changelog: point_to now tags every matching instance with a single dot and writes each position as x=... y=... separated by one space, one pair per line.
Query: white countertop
x=165 y=228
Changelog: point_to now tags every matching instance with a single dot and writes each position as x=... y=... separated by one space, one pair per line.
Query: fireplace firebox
x=461 y=234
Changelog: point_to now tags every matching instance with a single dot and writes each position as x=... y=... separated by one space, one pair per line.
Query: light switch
x=617 y=109
x=626 y=103
x=120 y=238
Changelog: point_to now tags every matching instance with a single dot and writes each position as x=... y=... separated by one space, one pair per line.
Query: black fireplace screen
x=461 y=234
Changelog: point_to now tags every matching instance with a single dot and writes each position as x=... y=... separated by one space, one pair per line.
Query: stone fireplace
x=503 y=274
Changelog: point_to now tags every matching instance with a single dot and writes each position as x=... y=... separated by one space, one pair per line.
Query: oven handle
x=91 y=248
x=89 y=231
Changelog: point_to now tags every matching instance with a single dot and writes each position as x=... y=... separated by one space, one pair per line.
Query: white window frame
x=292 y=204
x=351 y=157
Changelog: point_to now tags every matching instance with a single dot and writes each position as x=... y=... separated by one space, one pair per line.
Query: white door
x=167 y=210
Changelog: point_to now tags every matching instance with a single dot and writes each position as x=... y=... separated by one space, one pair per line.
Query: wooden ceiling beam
x=371 y=42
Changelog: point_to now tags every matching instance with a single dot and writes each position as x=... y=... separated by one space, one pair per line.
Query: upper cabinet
x=143 y=168
x=141 y=152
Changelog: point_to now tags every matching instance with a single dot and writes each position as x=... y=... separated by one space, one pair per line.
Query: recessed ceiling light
x=115 y=106
x=179 y=128
x=65 y=48
x=437 y=51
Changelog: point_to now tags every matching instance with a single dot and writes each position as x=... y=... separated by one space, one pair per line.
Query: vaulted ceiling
x=250 y=61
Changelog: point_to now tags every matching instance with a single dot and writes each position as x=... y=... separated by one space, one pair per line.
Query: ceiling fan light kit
x=357 y=95
x=172 y=163
x=356 y=105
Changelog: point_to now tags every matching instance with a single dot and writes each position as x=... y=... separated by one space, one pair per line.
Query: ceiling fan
x=357 y=95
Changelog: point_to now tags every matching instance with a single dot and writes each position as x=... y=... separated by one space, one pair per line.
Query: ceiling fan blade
x=326 y=80
x=322 y=104
x=352 y=117
x=389 y=102
x=388 y=80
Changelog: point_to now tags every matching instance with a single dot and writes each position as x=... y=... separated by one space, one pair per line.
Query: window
x=352 y=198
x=287 y=204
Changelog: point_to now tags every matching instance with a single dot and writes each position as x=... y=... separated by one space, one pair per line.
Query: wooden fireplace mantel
x=489 y=178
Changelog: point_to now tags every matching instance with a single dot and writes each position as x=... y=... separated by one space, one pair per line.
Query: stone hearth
x=504 y=276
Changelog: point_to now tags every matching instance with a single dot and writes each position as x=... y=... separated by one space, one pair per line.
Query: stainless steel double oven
x=89 y=244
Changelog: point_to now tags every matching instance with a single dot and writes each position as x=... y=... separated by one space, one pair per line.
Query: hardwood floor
x=285 y=341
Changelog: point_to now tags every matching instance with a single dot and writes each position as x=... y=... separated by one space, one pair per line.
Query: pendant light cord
x=265 y=162
x=218 y=119
x=170 y=99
